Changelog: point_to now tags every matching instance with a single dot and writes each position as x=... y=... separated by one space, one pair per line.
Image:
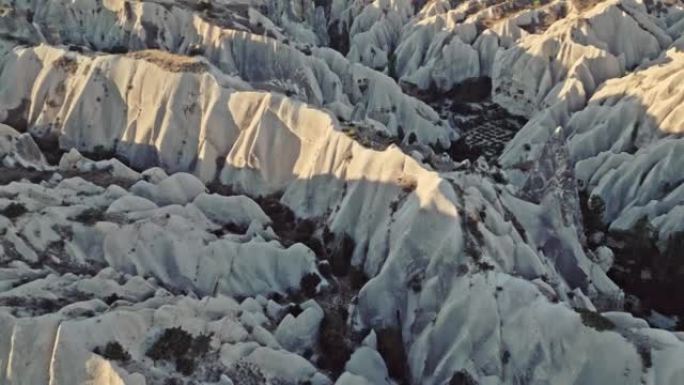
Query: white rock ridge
x=280 y=67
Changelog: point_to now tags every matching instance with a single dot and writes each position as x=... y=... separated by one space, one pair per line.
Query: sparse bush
x=499 y=177
x=332 y=340
x=596 y=205
x=357 y=278
x=324 y=269
x=595 y=320
x=179 y=346
x=67 y=64
x=392 y=66
x=90 y=216
x=113 y=351
x=204 y=5
x=462 y=377
x=13 y=210
x=170 y=61
x=201 y=345
x=246 y=373
x=294 y=309
x=407 y=183
x=341 y=255
x=283 y=218
x=173 y=381
x=391 y=348
x=309 y=283
x=472 y=225
x=110 y=299
x=174 y=342
x=582 y=5
x=485 y=266
x=185 y=365
x=645 y=354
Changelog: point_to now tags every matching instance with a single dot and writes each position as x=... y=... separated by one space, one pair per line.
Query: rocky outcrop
x=243 y=234
x=118 y=26
x=446 y=45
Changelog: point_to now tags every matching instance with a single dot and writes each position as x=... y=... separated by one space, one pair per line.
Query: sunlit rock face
x=236 y=47
x=287 y=192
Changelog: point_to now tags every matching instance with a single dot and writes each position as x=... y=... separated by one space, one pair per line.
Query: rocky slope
x=272 y=192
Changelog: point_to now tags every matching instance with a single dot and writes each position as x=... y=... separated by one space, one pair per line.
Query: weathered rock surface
x=239 y=192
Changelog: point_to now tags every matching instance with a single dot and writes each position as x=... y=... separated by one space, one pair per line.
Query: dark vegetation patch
x=591 y=216
x=204 y=5
x=473 y=237
x=13 y=210
x=643 y=269
x=368 y=138
x=99 y=178
x=391 y=348
x=582 y=5
x=58 y=261
x=170 y=61
x=110 y=299
x=116 y=49
x=504 y=9
x=294 y=309
x=357 y=278
x=9 y=175
x=180 y=347
x=17 y=118
x=335 y=250
x=334 y=340
x=544 y=20
x=36 y=306
x=66 y=64
x=230 y=228
x=246 y=373
x=484 y=266
x=658 y=8
x=595 y=320
x=49 y=146
x=341 y=254
x=101 y=152
x=462 y=377
x=460 y=151
x=486 y=126
x=90 y=216
x=473 y=90
x=309 y=283
x=283 y=218
x=113 y=351
x=339 y=37
x=646 y=356
x=337 y=340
